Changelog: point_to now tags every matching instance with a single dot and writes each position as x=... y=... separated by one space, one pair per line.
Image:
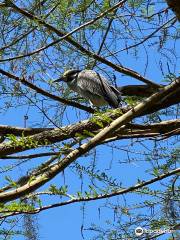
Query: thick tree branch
x=175 y=6
x=70 y=131
x=162 y=129
x=137 y=90
x=30 y=156
x=18 y=131
x=93 y=142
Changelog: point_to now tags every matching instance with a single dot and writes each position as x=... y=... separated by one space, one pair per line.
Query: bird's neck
x=72 y=77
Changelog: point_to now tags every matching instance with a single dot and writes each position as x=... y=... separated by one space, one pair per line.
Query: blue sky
x=66 y=222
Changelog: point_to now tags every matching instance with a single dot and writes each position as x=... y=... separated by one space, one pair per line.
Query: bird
x=92 y=86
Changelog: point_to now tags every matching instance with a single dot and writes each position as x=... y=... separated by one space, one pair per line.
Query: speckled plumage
x=92 y=86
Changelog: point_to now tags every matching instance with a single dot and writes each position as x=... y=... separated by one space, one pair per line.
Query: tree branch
x=149 y=36
x=30 y=156
x=18 y=131
x=45 y=93
x=70 y=131
x=175 y=6
x=70 y=40
x=98 y=197
x=93 y=142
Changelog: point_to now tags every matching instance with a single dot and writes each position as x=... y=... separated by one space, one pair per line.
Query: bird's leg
x=96 y=109
x=91 y=105
x=114 y=78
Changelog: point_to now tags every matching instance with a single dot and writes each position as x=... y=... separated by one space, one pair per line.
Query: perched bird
x=92 y=86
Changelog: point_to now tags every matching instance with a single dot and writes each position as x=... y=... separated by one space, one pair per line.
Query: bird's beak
x=61 y=79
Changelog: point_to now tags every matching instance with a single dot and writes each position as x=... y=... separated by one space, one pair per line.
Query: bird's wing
x=117 y=92
x=96 y=84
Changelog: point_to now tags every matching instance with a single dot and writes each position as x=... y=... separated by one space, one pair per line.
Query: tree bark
x=175 y=6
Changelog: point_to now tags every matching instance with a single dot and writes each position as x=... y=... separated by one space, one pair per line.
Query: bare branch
x=70 y=40
x=149 y=36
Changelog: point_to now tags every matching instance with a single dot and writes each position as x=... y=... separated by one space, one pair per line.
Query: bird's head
x=68 y=75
